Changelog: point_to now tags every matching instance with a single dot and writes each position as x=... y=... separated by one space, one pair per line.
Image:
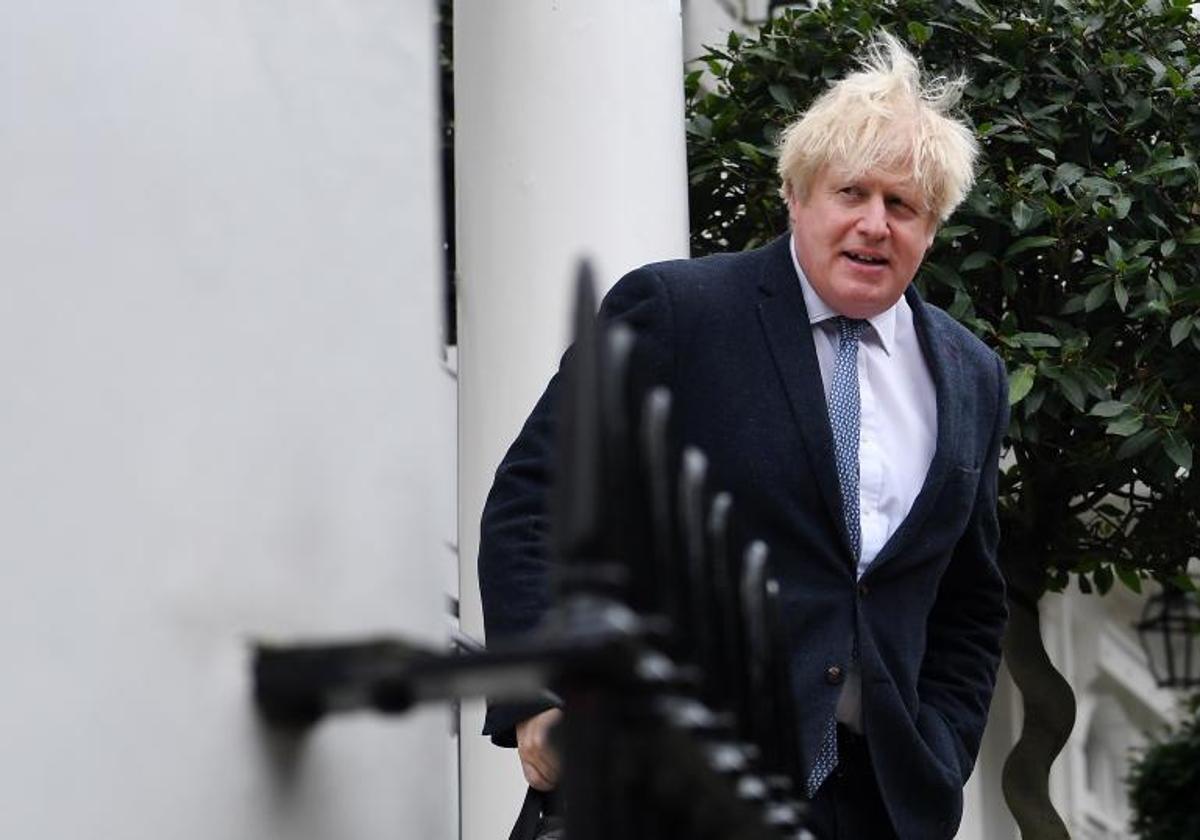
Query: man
x=859 y=430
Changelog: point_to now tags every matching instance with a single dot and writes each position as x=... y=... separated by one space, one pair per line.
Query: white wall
x=985 y=814
x=569 y=142
x=217 y=341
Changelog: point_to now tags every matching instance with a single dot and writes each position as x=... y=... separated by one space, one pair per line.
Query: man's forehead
x=897 y=177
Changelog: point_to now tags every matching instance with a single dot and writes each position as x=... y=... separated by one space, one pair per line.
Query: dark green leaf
x=1071 y=389
x=1022 y=215
x=1136 y=444
x=1154 y=217
x=1141 y=112
x=783 y=95
x=976 y=260
x=1037 y=339
x=919 y=32
x=1103 y=578
x=1178 y=450
x=954 y=231
x=749 y=150
x=1183 y=581
x=1033 y=402
x=1095 y=388
x=1109 y=408
x=1180 y=330
x=961 y=306
x=1126 y=426
x=1166 y=166
x=1130 y=578
x=1019 y=383
x=1156 y=67
x=1008 y=281
x=1097 y=296
x=1115 y=253
x=1099 y=186
x=1028 y=242
x=1068 y=173
x=973 y=6
x=1072 y=306
x=700 y=125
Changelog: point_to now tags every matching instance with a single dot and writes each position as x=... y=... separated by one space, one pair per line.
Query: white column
x=1058 y=626
x=569 y=133
x=985 y=814
x=222 y=417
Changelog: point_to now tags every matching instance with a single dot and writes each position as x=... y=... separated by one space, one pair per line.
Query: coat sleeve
x=965 y=626
x=514 y=561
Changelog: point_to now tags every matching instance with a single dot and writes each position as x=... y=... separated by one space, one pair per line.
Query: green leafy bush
x=1076 y=256
x=1164 y=783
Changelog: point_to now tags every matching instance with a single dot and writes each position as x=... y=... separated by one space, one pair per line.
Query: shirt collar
x=884 y=324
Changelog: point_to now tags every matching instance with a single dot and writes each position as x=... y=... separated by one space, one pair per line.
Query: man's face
x=860 y=240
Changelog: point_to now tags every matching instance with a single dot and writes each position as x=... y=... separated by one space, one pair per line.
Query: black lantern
x=1170 y=635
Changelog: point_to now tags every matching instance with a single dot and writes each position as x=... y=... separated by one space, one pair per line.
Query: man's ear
x=789 y=198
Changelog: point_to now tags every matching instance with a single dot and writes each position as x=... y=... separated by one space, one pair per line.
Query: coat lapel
x=945 y=366
x=784 y=319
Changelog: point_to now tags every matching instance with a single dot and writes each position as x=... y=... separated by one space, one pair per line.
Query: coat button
x=833 y=674
x=862 y=590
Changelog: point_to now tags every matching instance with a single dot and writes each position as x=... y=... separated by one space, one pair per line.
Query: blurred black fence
x=665 y=643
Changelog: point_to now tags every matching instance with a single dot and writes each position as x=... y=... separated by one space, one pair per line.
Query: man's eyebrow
x=908 y=193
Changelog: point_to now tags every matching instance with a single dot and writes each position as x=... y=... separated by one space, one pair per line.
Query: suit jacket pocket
x=940 y=738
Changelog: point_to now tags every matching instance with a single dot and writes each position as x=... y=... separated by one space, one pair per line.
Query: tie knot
x=850 y=329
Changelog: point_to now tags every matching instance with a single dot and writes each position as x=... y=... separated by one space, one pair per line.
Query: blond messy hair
x=885 y=117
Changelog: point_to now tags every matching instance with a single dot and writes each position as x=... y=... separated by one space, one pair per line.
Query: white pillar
x=569 y=142
x=223 y=417
x=985 y=813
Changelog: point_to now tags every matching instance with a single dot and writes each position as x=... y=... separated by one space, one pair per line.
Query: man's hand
x=539 y=761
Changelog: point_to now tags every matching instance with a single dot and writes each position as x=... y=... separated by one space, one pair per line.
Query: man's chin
x=865 y=303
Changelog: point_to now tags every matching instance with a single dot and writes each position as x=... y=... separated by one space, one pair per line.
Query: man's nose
x=873 y=221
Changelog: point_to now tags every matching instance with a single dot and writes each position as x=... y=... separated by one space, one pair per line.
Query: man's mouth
x=863 y=258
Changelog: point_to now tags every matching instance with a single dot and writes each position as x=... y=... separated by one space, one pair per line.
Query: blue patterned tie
x=844 y=420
